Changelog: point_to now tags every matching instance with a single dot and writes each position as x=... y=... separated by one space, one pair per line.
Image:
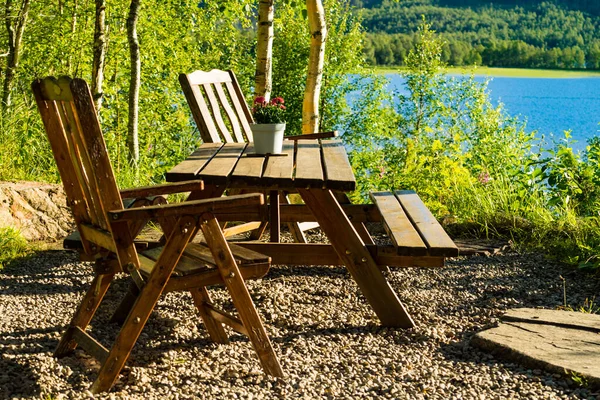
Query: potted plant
x=269 y=126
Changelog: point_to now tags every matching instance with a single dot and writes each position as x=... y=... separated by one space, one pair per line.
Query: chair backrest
x=69 y=115
x=218 y=106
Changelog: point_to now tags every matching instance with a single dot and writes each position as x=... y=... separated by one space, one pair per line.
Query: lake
x=549 y=105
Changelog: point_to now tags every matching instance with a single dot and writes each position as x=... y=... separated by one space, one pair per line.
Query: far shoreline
x=505 y=72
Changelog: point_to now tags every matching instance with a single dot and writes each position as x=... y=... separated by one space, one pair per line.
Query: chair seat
x=198 y=266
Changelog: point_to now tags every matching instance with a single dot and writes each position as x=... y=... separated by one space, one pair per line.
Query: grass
x=507 y=72
x=12 y=245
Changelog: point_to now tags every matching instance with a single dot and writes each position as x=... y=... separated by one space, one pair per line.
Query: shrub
x=12 y=245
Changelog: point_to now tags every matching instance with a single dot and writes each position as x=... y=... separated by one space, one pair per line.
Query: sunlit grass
x=12 y=245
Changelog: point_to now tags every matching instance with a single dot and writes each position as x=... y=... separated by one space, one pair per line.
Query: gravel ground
x=327 y=338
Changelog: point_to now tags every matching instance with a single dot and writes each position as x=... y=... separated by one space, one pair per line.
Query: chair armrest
x=195 y=207
x=165 y=188
x=320 y=135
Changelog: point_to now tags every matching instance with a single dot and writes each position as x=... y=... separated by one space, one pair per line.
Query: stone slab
x=554 y=340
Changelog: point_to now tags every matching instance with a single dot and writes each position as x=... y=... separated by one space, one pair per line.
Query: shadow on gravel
x=17 y=379
x=29 y=341
x=41 y=273
x=16 y=375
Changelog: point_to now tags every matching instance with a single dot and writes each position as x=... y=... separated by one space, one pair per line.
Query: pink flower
x=483 y=177
x=272 y=112
x=381 y=172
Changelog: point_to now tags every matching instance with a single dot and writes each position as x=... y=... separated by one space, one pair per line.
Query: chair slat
x=200 y=111
x=239 y=103
x=216 y=113
x=202 y=77
x=92 y=133
x=89 y=344
x=77 y=155
x=187 y=265
x=234 y=119
x=87 y=167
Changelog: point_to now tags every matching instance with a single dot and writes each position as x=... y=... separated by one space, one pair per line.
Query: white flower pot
x=268 y=138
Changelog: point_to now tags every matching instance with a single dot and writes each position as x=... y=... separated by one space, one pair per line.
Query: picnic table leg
x=274 y=218
x=353 y=252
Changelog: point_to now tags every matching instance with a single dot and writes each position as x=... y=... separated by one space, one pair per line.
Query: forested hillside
x=503 y=33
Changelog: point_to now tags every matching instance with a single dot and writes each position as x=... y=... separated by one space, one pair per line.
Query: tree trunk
x=99 y=52
x=15 y=26
x=134 y=83
x=264 y=50
x=318 y=31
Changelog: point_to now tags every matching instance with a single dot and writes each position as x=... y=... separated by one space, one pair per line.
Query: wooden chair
x=108 y=230
x=222 y=115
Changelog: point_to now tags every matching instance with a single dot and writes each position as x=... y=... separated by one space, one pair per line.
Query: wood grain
x=429 y=228
x=400 y=229
x=338 y=172
x=309 y=170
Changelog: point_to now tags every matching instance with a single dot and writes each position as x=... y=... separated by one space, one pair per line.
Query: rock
x=37 y=210
x=557 y=341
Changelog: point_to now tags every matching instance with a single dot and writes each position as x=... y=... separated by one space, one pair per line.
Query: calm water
x=550 y=106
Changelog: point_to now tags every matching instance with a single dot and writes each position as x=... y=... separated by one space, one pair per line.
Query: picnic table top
x=312 y=163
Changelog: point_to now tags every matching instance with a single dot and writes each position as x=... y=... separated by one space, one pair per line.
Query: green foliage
x=175 y=37
x=290 y=55
x=12 y=246
x=534 y=34
x=577 y=378
x=475 y=166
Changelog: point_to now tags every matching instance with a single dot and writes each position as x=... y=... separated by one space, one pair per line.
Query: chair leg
x=240 y=295
x=126 y=304
x=86 y=310
x=258 y=232
x=145 y=303
x=215 y=328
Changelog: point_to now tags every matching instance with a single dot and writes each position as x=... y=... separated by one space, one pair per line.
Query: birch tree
x=264 y=50
x=316 y=58
x=15 y=26
x=134 y=82
x=99 y=52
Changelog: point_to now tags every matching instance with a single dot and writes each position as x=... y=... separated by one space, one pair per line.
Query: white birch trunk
x=264 y=50
x=134 y=82
x=99 y=52
x=316 y=59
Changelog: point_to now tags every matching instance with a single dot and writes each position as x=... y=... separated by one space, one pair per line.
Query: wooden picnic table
x=320 y=172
